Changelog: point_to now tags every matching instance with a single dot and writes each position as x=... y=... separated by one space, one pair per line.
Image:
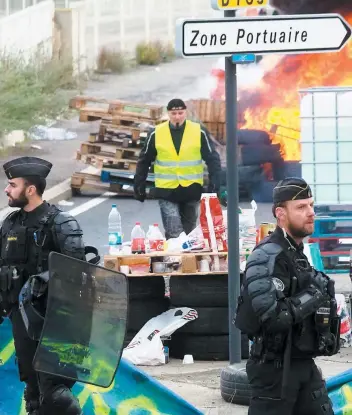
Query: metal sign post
x=232 y=201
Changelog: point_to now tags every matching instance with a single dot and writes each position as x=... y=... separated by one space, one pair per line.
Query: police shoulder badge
x=279 y=285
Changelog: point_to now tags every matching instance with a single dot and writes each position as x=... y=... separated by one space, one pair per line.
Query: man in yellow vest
x=177 y=148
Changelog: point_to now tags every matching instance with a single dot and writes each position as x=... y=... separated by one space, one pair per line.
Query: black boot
x=32 y=402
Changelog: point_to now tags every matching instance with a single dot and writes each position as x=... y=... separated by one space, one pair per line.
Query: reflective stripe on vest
x=186 y=167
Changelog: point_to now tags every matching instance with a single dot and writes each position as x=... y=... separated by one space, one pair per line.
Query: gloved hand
x=321 y=282
x=140 y=194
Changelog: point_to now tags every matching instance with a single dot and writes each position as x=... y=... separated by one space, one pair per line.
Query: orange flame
x=274 y=106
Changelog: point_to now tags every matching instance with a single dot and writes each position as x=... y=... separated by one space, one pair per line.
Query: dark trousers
x=37 y=383
x=178 y=217
x=307 y=390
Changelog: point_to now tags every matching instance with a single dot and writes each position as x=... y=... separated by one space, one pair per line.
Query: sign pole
x=232 y=201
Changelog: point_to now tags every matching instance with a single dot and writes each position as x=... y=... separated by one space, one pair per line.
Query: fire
x=274 y=105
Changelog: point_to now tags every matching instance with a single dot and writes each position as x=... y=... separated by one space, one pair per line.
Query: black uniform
x=289 y=311
x=27 y=238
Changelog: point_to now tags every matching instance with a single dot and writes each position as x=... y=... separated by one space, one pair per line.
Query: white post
x=122 y=25
x=24 y=5
x=96 y=25
x=193 y=8
x=147 y=21
x=170 y=20
x=7 y=10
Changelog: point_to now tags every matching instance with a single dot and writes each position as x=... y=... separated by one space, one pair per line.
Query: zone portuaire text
x=244 y=37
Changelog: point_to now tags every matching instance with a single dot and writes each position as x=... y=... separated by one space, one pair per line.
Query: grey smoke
x=312 y=6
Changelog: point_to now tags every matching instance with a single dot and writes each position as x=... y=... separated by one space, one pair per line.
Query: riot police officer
x=28 y=235
x=288 y=310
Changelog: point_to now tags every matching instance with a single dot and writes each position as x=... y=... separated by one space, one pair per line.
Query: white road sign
x=261 y=35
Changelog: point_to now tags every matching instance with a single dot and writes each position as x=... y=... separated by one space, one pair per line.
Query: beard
x=296 y=232
x=20 y=202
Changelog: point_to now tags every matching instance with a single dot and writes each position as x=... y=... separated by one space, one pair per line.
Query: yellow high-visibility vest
x=186 y=167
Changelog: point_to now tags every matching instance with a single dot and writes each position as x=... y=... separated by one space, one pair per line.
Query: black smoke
x=312 y=6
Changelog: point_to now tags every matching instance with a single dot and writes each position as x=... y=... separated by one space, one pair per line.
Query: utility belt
x=268 y=348
x=12 y=280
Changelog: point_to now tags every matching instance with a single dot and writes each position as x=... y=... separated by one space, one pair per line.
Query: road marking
x=90 y=204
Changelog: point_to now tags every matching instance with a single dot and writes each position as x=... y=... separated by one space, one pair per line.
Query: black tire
x=205 y=291
x=211 y=320
x=200 y=347
x=204 y=347
x=144 y=288
x=234 y=386
x=253 y=137
x=249 y=174
x=260 y=154
x=142 y=311
x=75 y=192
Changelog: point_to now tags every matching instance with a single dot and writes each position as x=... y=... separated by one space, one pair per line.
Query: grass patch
x=111 y=61
x=33 y=92
x=154 y=53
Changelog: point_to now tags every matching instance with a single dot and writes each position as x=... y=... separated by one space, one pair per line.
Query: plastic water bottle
x=115 y=231
x=138 y=239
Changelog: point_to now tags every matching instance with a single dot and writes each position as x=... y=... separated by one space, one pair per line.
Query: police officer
x=28 y=235
x=178 y=148
x=288 y=310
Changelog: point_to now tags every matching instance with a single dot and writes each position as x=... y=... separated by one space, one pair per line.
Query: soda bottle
x=138 y=239
x=115 y=231
x=156 y=239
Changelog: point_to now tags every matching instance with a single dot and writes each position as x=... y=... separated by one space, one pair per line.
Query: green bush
x=33 y=92
x=154 y=53
x=148 y=54
x=110 y=61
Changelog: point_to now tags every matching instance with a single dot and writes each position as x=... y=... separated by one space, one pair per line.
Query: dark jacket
x=180 y=194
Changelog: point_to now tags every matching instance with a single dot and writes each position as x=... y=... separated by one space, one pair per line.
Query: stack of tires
x=255 y=151
x=207 y=337
x=146 y=300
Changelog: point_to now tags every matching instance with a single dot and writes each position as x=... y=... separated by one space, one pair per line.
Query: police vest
x=305 y=335
x=24 y=252
x=185 y=168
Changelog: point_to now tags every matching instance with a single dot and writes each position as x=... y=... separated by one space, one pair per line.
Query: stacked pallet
x=212 y=114
x=115 y=148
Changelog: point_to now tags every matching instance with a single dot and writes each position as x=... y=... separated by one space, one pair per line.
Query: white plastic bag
x=146 y=348
x=345 y=330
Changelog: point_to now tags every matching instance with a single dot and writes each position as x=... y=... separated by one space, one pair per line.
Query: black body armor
x=267 y=312
x=26 y=243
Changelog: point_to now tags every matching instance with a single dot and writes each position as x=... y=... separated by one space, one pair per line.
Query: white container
x=326 y=143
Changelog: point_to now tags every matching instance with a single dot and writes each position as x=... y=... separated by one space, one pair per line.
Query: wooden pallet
x=94 y=114
x=116 y=138
x=132 y=131
x=189 y=262
x=86 y=181
x=132 y=109
x=102 y=160
x=207 y=110
x=112 y=150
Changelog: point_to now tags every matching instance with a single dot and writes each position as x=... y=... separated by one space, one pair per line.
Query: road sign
x=237 y=4
x=248 y=58
x=261 y=35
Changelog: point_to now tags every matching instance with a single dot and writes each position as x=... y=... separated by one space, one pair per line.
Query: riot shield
x=85 y=322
